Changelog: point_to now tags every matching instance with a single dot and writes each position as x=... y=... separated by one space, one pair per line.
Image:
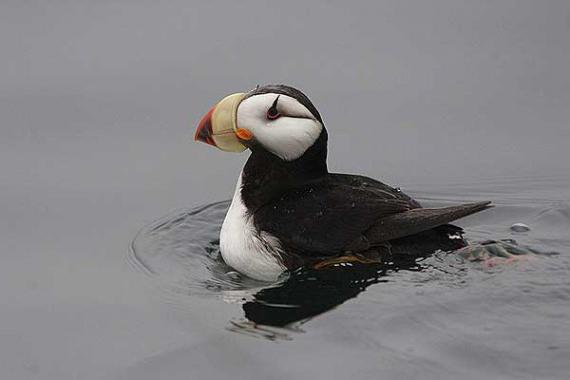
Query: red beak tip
x=204 y=131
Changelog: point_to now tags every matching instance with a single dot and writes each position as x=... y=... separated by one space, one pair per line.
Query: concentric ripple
x=181 y=251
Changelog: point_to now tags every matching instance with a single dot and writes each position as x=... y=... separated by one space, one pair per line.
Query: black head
x=277 y=118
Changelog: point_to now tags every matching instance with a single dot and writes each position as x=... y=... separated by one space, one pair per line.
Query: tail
x=420 y=219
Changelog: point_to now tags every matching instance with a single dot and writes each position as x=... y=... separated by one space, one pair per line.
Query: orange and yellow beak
x=219 y=126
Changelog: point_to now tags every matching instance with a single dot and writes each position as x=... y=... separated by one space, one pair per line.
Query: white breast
x=251 y=252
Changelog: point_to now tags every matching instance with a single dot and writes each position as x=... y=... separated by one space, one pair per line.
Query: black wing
x=326 y=216
x=413 y=221
x=374 y=186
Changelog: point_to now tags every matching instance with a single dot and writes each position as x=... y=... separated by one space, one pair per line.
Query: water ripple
x=181 y=252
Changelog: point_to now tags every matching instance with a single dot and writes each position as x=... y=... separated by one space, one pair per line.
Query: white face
x=286 y=128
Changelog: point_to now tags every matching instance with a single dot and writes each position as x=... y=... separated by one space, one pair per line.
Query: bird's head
x=277 y=118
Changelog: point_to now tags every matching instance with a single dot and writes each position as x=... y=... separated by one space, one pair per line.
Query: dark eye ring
x=272 y=112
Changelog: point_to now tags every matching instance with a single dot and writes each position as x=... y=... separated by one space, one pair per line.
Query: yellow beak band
x=224 y=124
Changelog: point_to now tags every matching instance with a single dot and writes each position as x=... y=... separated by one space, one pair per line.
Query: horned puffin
x=288 y=210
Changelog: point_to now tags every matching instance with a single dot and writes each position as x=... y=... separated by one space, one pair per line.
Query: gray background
x=99 y=102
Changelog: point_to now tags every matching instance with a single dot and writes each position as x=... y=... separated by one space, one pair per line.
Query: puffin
x=288 y=211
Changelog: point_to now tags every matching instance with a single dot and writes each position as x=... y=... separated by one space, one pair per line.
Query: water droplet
x=520 y=227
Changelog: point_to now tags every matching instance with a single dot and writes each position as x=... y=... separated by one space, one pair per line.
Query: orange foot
x=345 y=260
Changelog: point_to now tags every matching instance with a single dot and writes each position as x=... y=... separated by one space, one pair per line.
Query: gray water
x=452 y=101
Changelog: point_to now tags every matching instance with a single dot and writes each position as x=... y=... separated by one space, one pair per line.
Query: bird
x=289 y=211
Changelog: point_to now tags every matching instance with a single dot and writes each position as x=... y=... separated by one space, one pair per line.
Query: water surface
x=452 y=100
x=444 y=314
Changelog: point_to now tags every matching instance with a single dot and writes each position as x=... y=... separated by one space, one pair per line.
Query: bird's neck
x=266 y=176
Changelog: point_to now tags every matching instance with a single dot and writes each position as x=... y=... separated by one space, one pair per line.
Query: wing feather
x=323 y=217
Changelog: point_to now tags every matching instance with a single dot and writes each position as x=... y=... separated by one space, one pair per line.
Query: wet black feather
x=315 y=213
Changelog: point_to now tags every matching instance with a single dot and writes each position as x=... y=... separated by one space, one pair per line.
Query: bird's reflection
x=308 y=292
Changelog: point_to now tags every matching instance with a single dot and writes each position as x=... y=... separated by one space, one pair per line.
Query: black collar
x=266 y=176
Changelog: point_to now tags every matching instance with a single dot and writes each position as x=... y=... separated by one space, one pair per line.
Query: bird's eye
x=272 y=112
